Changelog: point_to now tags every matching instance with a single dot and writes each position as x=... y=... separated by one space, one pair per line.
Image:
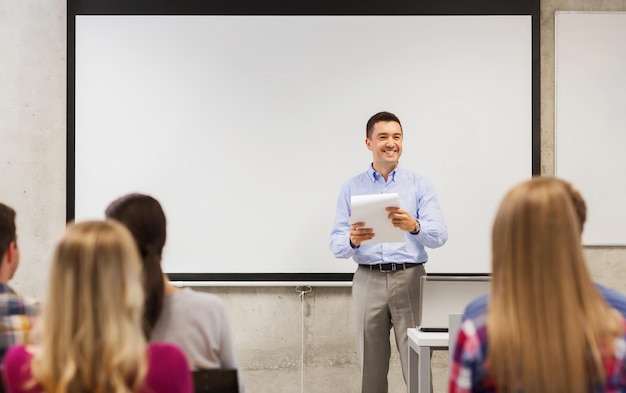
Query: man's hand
x=403 y=220
x=358 y=234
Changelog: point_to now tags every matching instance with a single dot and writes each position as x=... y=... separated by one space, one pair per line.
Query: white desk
x=420 y=346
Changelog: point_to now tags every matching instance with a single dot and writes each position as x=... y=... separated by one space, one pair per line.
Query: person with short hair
x=386 y=284
x=89 y=336
x=17 y=313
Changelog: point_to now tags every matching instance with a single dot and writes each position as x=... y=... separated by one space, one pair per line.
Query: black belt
x=390 y=267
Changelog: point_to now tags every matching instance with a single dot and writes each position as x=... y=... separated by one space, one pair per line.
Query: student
x=17 y=314
x=195 y=321
x=614 y=298
x=386 y=284
x=90 y=338
x=547 y=328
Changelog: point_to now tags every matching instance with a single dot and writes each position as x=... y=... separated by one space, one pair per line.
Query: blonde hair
x=548 y=327
x=91 y=338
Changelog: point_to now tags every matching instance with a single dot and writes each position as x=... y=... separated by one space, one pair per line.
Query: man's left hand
x=402 y=219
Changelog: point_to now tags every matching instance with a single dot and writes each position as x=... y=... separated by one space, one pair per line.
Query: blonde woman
x=91 y=339
x=546 y=328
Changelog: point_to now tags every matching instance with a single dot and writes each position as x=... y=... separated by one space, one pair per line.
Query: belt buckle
x=394 y=267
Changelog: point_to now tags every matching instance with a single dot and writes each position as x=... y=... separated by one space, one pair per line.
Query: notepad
x=370 y=209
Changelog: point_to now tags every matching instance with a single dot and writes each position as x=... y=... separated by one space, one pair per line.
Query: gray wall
x=273 y=326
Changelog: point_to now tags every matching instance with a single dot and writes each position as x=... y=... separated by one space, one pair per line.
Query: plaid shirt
x=468 y=372
x=17 y=315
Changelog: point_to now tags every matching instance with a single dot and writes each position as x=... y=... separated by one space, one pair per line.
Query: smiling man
x=386 y=284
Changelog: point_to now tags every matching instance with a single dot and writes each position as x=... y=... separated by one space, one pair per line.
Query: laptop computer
x=444 y=294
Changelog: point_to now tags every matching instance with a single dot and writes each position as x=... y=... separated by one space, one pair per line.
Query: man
x=385 y=287
x=613 y=298
x=16 y=313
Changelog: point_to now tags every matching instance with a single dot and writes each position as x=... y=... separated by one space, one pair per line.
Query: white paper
x=370 y=209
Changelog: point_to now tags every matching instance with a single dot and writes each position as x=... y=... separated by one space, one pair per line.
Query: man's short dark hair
x=7 y=227
x=380 y=116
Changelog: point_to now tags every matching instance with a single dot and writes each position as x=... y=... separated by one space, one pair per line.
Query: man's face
x=385 y=142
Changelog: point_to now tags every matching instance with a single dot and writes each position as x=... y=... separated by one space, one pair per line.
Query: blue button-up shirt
x=417 y=197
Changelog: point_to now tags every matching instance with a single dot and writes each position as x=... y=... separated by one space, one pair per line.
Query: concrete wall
x=274 y=327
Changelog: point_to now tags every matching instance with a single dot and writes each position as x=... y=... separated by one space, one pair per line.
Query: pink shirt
x=168 y=370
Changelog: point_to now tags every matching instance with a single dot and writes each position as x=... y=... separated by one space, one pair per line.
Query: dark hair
x=145 y=219
x=7 y=227
x=579 y=204
x=380 y=116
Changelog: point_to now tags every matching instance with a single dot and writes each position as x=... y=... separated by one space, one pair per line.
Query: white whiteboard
x=590 y=124
x=245 y=127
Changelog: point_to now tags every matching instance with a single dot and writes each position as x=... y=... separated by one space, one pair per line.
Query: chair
x=215 y=381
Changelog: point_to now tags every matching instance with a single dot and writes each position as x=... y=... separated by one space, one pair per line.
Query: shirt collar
x=4 y=288
x=374 y=175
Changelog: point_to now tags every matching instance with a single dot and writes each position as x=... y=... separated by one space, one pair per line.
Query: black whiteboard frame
x=283 y=7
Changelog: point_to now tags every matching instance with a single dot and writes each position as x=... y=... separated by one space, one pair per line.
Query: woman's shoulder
x=192 y=298
x=16 y=366
x=476 y=308
x=166 y=359
x=17 y=351
x=17 y=355
x=187 y=313
x=164 y=350
x=168 y=369
x=473 y=336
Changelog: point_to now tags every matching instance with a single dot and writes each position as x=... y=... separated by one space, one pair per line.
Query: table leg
x=413 y=371
x=423 y=373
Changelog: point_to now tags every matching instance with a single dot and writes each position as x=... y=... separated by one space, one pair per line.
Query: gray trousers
x=381 y=300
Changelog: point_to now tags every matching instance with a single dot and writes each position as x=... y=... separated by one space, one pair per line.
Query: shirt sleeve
x=433 y=230
x=340 y=234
